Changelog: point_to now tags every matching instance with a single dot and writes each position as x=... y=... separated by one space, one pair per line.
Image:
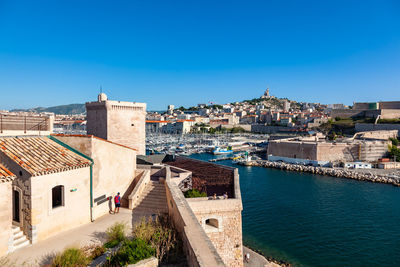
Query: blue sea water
x=313 y=220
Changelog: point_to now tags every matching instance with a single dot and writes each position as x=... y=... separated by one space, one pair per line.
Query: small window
x=212 y=222
x=57 y=196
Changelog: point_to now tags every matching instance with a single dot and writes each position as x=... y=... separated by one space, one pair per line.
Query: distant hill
x=70 y=109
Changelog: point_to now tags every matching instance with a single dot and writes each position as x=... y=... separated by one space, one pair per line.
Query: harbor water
x=313 y=220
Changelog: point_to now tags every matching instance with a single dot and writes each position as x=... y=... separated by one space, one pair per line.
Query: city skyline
x=59 y=53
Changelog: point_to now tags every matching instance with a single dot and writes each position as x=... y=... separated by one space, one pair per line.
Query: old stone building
x=118 y=121
x=363 y=146
x=58 y=183
x=51 y=183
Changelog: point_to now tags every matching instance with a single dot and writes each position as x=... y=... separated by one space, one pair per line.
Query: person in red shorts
x=117 y=201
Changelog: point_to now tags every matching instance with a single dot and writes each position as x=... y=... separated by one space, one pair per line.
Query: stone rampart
x=362 y=127
x=199 y=250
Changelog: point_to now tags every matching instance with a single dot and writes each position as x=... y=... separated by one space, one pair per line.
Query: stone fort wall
x=120 y=122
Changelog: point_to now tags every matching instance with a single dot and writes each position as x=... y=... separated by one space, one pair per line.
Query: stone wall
x=226 y=231
x=337 y=152
x=266 y=129
x=389 y=105
x=293 y=149
x=198 y=248
x=22 y=184
x=5 y=216
x=96 y=116
x=378 y=135
x=120 y=122
x=362 y=127
x=48 y=221
x=347 y=113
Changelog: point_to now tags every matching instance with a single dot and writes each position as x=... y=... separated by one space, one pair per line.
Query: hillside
x=70 y=109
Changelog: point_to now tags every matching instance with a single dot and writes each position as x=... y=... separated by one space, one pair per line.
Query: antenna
x=101 y=89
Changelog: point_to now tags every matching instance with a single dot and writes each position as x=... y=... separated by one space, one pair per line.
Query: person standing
x=117 y=201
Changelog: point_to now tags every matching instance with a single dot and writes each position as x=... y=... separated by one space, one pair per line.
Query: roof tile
x=40 y=155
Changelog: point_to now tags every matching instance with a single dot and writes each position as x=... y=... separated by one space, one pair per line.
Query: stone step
x=19 y=239
x=15 y=229
x=152 y=205
x=150 y=211
x=21 y=244
x=155 y=196
x=18 y=234
x=152 y=198
x=157 y=189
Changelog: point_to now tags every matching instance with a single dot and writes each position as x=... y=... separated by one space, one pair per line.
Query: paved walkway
x=40 y=254
x=257 y=260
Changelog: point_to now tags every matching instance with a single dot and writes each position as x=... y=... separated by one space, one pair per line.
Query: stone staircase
x=153 y=199
x=19 y=239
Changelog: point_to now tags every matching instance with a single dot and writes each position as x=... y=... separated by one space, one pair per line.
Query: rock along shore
x=335 y=172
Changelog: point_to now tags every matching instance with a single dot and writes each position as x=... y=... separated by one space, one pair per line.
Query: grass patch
x=192 y=193
x=131 y=252
x=111 y=244
x=71 y=257
x=162 y=238
x=116 y=232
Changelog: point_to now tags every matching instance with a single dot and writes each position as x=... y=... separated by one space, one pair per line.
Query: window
x=57 y=196
x=212 y=222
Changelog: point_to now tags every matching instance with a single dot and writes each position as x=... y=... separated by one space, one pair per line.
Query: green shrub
x=395 y=141
x=70 y=257
x=132 y=252
x=116 y=232
x=144 y=230
x=161 y=236
x=111 y=244
x=194 y=193
x=394 y=152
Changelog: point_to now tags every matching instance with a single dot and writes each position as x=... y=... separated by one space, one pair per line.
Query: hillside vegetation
x=70 y=109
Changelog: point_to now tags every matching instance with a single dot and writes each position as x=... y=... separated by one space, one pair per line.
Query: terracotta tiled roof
x=207 y=177
x=5 y=175
x=40 y=155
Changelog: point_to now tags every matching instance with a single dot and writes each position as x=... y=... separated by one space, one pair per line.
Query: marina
x=205 y=143
x=315 y=220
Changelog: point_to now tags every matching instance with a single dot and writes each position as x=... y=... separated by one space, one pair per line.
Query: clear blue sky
x=189 y=52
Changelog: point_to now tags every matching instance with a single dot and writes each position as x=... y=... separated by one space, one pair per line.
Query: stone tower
x=118 y=121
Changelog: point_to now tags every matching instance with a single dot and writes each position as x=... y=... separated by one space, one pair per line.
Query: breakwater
x=335 y=172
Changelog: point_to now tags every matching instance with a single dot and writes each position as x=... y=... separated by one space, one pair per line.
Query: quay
x=375 y=176
x=221 y=159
